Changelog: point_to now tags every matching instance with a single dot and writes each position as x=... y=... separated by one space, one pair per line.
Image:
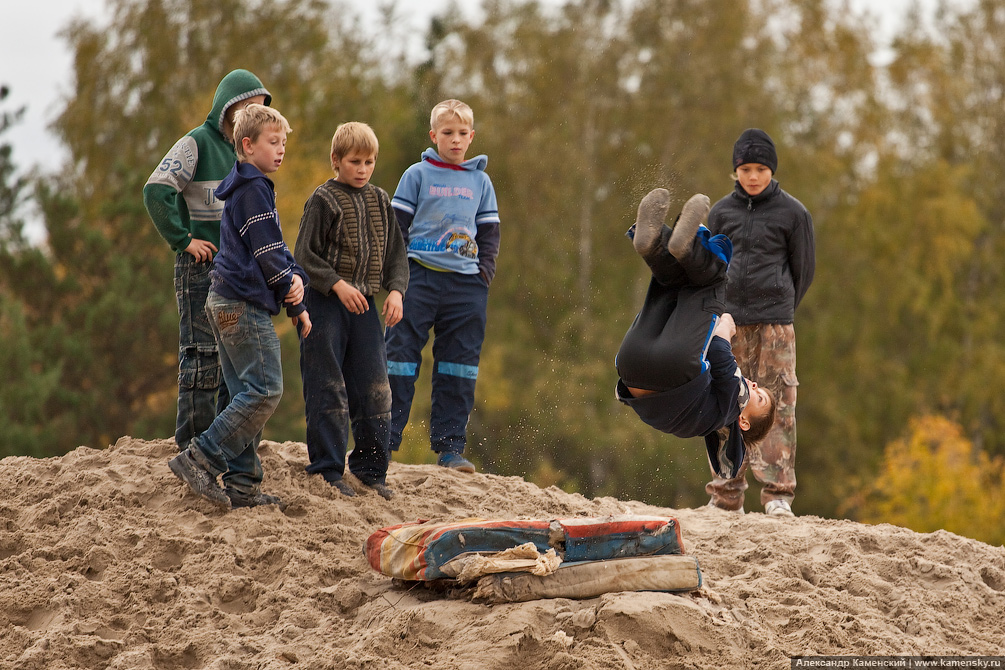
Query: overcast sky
x=36 y=65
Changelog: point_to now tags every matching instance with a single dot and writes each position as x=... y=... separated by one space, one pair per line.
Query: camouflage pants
x=766 y=354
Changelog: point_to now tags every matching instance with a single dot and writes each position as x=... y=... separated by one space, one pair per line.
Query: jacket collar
x=771 y=191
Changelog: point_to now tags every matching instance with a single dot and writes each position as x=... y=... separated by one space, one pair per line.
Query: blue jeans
x=454 y=306
x=201 y=391
x=344 y=369
x=252 y=368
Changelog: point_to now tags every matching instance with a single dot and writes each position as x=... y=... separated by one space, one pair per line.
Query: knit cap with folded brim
x=754 y=146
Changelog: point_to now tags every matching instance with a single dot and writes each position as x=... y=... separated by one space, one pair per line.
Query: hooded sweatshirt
x=448 y=215
x=253 y=264
x=179 y=195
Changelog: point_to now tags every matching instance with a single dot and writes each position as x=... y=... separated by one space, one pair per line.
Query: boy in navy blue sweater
x=675 y=364
x=253 y=275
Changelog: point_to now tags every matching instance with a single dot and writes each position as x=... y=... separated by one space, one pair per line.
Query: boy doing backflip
x=253 y=275
x=350 y=246
x=675 y=365
x=449 y=219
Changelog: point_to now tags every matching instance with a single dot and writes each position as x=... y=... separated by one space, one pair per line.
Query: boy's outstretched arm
x=295 y=307
x=725 y=328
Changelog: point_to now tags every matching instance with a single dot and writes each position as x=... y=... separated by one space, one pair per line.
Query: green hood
x=236 y=86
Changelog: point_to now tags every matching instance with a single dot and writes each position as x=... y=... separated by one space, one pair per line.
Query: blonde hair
x=352 y=137
x=251 y=121
x=451 y=109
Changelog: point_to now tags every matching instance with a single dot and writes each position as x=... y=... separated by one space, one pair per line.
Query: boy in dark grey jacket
x=772 y=269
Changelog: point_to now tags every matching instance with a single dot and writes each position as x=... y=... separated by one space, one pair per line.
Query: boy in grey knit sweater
x=350 y=246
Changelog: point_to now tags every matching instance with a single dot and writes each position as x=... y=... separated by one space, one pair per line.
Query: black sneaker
x=241 y=499
x=383 y=490
x=343 y=488
x=198 y=479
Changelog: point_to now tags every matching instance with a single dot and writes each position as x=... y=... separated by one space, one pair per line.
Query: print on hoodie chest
x=455 y=237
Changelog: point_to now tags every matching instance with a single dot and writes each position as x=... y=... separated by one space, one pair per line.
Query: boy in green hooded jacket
x=179 y=198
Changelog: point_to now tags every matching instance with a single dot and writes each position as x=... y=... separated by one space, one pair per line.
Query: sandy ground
x=107 y=561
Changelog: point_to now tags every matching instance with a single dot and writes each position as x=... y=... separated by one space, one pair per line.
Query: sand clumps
x=108 y=561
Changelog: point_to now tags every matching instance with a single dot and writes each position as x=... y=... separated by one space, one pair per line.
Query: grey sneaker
x=383 y=490
x=694 y=212
x=649 y=221
x=451 y=459
x=198 y=479
x=241 y=499
x=778 y=507
x=343 y=488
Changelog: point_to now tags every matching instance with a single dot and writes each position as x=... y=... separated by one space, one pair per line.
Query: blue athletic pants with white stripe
x=454 y=307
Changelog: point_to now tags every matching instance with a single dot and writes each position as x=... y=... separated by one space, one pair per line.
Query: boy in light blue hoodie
x=446 y=208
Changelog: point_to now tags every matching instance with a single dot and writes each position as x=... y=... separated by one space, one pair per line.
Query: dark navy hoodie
x=253 y=264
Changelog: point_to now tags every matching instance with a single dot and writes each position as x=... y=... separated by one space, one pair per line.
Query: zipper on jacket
x=746 y=259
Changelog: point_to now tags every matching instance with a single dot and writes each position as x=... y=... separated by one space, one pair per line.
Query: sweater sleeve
x=404 y=220
x=487 y=234
x=726 y=378
x=802 y=256
x=162 y=203
x=318 y=222
x=162 y=193
x=395 y=270
x=406 y=200
x=263 y=235
x=487 y=239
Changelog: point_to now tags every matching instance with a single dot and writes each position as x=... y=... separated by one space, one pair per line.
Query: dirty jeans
x=252 y=368
x=344 y=371
x=201 y=391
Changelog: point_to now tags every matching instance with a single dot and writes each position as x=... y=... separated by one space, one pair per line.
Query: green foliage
x=29 y=383
x=935 y=478
x=12 y=185
x=582 y=107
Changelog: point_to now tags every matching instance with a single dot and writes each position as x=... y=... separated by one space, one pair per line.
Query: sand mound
x=106 y=561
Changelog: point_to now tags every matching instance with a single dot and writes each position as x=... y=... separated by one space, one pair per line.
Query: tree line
x=582 y=108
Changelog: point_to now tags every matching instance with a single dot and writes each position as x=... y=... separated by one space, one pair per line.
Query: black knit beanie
x=754 y=146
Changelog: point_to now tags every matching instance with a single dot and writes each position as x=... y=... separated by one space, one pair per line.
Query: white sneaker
x=778 y=508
